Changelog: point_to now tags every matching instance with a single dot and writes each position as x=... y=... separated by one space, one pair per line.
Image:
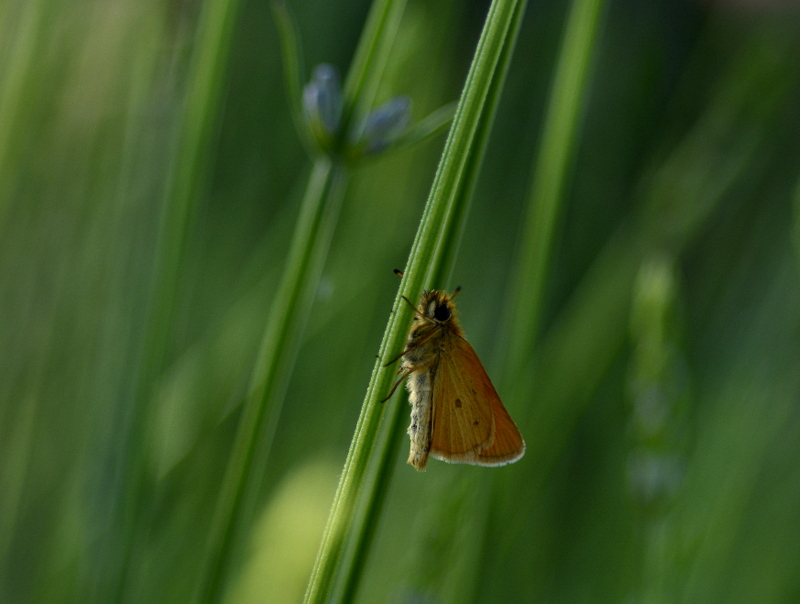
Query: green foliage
x=150 y=199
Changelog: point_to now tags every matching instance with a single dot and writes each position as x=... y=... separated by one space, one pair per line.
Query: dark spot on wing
x=458 y=403
x=475 y=423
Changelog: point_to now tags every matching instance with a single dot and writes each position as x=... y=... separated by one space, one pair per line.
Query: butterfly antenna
x=411 y=304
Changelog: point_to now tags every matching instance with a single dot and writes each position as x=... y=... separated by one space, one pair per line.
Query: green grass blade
x=679 y=197
x=425 y=259
x=369 y=61
x=293 y=68
x=202 y=103
x=14 y=76
x=270 y=377
x=282 y=336
x=551 y=169
x=796 y=219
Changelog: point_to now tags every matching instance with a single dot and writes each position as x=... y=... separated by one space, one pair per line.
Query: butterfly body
x=456 y=414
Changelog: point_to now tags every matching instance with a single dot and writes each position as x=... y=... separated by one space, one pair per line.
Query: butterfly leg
x=398 y=382
x=413 y=347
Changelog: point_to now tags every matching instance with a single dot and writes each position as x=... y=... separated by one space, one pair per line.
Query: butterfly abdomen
x=420 y=388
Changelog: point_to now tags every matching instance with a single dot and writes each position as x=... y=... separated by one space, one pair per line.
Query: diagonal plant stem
x=271 y=373
x=283 y=334
x=427 y=255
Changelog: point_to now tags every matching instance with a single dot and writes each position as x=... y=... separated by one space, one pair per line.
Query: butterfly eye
x=442 y=313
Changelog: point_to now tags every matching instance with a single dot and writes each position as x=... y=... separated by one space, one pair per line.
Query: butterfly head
x=438 y=307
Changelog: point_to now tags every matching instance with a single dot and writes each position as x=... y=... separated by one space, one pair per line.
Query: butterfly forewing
x=470 y=423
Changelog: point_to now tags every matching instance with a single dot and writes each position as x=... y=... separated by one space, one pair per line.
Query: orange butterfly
x=456 y=414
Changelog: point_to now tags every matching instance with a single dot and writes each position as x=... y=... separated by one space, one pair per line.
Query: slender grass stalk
x=294 y=75
x=22 y=38
x=271 y=373
x=190 y=159
x=381 y=471
x=427 y=255
x=282 y=336
x=551 y=169
x=369 y=62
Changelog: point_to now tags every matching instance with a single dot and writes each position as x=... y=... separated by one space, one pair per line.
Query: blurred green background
x=662 y=413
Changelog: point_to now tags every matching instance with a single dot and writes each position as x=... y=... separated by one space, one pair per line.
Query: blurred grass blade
x=16 y=70
x=425 y=259
x=796 y=219
x=293 y=66
x=187 y=177
x=656 y=463
x=14 y=79
x=270 y=377
x=680 y=195
x=369 y=62
x=551 y=169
